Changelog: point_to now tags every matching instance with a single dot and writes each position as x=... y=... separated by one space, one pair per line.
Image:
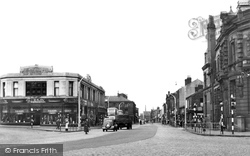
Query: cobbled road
x=170 y=141
x=144 y=140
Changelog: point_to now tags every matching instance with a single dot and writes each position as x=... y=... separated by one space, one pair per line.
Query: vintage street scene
x=125 y=78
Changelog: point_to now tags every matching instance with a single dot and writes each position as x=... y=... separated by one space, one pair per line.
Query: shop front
x=43 y=111
x=101 y=113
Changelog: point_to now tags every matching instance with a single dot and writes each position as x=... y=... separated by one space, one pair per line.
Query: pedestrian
x=57 y=123
x=31 y=122
x=221 y=126
x=86 y=126
x=66 y=124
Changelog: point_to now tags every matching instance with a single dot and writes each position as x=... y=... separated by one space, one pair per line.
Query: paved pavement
x=49 y=128
x=45 y=134
x=210 y=132
x=207 y=132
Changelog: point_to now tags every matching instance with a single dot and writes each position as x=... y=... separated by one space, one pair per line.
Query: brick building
x=122 y=102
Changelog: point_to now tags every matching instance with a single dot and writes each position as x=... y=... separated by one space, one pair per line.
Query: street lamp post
x=195 y=116
x=108 y=101
x=185 y=122
x=174 y=106
x=79 y=104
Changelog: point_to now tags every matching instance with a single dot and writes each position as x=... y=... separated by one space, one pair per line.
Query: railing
x=204 y=128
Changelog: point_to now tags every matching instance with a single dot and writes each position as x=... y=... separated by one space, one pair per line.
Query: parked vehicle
x=109 y=124
x=123 y=121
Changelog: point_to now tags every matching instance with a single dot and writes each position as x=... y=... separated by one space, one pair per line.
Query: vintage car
x=109 y=124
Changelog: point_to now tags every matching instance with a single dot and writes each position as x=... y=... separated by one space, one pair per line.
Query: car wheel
x=103 y=130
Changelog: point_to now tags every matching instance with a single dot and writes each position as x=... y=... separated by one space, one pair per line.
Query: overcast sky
x=137 y=47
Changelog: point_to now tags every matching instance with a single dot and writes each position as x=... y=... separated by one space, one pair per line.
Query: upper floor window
x=36 y=88
x=88 y=93
x=56 y=88
x=15 y=88
x=83 y=88
x=205 y=79
x=71 y=88
x=218 y=63
x=3 y=89
x=94 y=98
x=232 y=52
x=245 y=51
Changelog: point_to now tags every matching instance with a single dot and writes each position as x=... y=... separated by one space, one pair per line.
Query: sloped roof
x=117 y=99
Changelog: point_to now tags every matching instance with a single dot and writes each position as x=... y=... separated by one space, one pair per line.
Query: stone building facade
x=227 y=69
x=40 y=94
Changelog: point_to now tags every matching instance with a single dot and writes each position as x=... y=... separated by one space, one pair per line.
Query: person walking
x=57 y=123
x=31 y=122
x=221 y=126
x=66 y=124
x=86 y=126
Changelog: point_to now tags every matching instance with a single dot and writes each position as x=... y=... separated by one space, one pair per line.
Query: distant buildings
x=180 y=96
x=122 y=102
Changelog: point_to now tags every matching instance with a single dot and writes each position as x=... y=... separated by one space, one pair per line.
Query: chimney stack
x=188 y=80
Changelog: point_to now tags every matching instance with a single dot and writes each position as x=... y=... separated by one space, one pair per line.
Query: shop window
x=4 y=112
x=18 y=114
x=56 y=88
x=50 y=113
x=38 y=88
x=71 y=88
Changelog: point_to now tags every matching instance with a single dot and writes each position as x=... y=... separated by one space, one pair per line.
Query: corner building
x=39 y=93
x=229 y=68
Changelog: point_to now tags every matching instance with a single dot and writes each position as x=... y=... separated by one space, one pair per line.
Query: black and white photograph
x=124 y=78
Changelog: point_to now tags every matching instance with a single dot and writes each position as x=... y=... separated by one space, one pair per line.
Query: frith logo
x=199 y=27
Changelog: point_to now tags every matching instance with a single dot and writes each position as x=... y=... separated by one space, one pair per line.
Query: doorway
x=37 y=116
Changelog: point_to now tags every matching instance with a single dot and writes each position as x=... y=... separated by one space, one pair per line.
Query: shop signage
x=19 y=111
x=53 y=111
x=4 y=111
x=54 y=100
x=35 y=100
x=3 y=101
x=36 y=70
x=67 y=110
x=17 y=101
x=50 y=111
x=70 y=100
